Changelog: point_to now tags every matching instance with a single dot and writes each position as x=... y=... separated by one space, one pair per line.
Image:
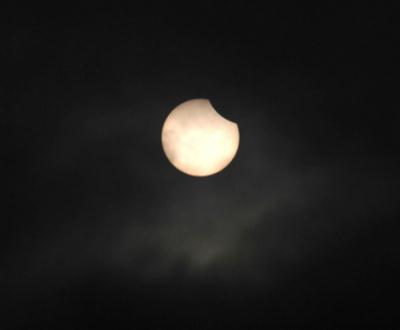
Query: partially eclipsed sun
x=197 y=140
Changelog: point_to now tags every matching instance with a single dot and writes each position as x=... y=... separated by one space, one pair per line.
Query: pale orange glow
x=197 y=140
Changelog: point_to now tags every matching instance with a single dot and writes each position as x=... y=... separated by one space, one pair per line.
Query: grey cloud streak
x=138 y=216
x=111 y=202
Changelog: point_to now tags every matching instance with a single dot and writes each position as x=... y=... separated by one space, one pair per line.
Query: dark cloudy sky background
x=100 y=230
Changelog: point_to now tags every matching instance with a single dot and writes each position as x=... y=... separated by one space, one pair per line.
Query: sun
x=197 y=140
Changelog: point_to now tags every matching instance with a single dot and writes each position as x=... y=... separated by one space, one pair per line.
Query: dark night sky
x=99 y=231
